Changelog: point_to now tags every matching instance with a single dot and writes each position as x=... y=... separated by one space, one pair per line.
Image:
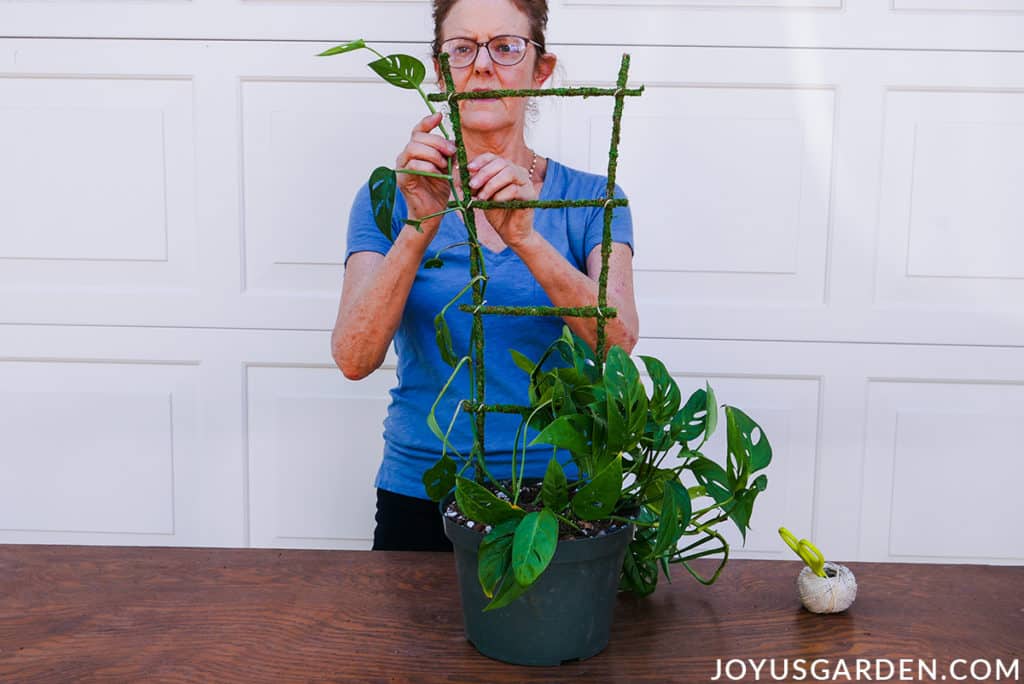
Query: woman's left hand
x=497 y=179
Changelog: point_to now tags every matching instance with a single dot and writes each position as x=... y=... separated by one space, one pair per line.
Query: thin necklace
x=533 y=165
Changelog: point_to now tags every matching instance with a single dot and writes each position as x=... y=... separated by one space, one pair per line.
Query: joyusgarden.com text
x=866 y=670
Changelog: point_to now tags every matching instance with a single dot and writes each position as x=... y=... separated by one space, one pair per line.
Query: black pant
x=405 y=523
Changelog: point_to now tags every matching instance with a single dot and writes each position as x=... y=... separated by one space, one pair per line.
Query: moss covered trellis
x=602 y=312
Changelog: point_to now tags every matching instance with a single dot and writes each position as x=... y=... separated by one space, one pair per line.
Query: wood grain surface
x=133 y=614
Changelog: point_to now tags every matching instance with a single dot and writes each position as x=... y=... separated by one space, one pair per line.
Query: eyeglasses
x=503 y=50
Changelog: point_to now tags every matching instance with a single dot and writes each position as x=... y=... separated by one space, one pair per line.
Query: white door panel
x=826 y=205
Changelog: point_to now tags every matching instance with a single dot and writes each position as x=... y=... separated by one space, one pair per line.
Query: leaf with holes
x=745 y=454
x=439 y=478
x=713 y=478
x=665 y=395
x=495 y=556
x=626 y=402
x=403 y=71
x=480 y=504
x=597 y=498
x=691 y=420
x=383 y=185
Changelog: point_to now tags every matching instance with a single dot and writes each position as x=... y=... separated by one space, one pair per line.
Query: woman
x=544 y=257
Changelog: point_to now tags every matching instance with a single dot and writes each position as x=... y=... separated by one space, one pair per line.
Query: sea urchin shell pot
x=833 y=593
x=566 y=615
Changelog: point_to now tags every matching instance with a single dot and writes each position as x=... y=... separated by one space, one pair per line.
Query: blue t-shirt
x=410 y=448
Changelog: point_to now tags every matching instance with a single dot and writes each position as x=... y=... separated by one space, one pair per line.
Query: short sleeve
x=622 y=226
x=363 y=234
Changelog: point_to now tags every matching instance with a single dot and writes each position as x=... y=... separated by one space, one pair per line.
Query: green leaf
x=745 y=455
x=668 y=524
x=441 y=330
x=563 y=433
x=554 y=492
x=665 y=396
x=691 y=420
x=598 y=497
x=495 y=556
x=639 y=570
x=433 y=263
x=711 y=421
x=741 y=510
x=712 y=477
x=653 y=485
x=347 y=47
x=663 y=561
x=760 y=451
x=383 y=185
x=509 y=590
x=760 y=483
x=522 y=361
x=439 y=478
x=534 y=545
x=400 y=70
x=675 y=516
x=444 y=339
x=625 y=402
x=432 y=414
x=480 y=504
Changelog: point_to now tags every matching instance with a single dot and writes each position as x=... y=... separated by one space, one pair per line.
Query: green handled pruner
x=807 y=551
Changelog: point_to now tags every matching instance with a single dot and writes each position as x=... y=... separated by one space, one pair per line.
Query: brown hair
x=535 y=10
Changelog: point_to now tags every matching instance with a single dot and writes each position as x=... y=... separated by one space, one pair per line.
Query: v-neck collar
x=492 y=256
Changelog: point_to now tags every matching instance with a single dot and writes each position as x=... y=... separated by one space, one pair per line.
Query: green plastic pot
x=566 y=614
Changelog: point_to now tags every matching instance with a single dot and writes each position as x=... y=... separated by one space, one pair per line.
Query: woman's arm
x=377 y=286
x=567 y=286
x=373 y=298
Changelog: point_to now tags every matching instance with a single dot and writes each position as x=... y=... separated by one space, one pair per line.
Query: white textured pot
x=833 y=593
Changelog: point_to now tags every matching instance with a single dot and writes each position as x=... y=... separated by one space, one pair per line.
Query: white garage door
x=827 y=197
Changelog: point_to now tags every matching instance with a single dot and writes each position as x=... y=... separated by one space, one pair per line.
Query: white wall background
x=827 y=196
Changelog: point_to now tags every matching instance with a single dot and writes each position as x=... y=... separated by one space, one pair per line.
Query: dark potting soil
x=527 y=498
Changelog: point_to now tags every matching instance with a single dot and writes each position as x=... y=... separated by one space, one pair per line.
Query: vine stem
x=566 y=520
x=430 y=174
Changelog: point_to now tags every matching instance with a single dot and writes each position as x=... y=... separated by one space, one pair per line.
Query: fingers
x=427 y=147
x=423 y=152
x=506 y=194
x=481 y=160
x=419 y=165
x=427 y=123
x=500 y=175
x=442 y=145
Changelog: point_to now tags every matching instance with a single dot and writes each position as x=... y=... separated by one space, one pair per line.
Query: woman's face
x=481 y=20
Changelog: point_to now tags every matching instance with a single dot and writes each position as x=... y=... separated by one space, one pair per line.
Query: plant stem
x=721 y=565
x=430 y=174
x=566 y=520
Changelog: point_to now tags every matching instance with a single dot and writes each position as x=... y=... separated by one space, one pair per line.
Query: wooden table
x=127 y=614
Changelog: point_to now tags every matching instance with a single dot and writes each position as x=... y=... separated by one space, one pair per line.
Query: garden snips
x=807 y=551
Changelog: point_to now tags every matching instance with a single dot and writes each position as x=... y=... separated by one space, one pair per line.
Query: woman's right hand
x=425 y=151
